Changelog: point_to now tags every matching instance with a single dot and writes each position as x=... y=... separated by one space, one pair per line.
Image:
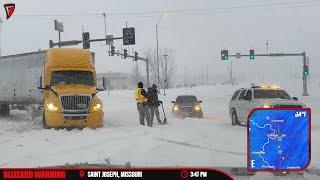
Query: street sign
x=109 y=40
x=58 y=26
x=128 y=36
x=238 y=55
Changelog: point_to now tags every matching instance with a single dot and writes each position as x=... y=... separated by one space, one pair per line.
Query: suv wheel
x=234 y=118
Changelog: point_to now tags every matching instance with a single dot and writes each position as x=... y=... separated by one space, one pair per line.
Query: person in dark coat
x=154 y=102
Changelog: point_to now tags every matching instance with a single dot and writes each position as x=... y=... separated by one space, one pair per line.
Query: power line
x=179 y=12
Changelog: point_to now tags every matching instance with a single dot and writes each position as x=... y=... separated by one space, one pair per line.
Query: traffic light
x=86 y=40
x=305 y=70
x=113 y=51
x=251 y=54
x=51 y=44
x=125 y=53
x=224 y=55
x=136 y=56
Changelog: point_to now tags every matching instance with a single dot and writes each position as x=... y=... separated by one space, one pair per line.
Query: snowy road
x=211 y=141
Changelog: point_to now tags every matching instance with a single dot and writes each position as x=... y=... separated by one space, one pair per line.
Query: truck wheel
x=7 y=110
x=4 y=110
x=234 y=119
x=44 y=122
x=200 y=116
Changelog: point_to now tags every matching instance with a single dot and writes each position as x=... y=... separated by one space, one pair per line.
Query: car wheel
x=234 y=118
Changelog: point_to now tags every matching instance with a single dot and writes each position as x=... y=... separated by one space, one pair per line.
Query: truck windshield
x=72 y=77
x=270 y=93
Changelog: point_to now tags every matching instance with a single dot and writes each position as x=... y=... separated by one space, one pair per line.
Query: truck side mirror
x=173 y=102
x=40 y=83
x=47 y=87
x=100 y=86
x=295 y=98
x=200 y=101
x=104 y=83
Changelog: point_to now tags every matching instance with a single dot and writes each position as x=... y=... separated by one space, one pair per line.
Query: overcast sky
x=196 y=36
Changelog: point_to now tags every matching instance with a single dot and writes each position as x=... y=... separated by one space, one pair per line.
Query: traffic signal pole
x=146 y=60
x=305 y=64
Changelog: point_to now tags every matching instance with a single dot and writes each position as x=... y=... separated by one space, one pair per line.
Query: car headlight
x=51 y=107
x=176 y=108
x=197 y=108
x=97 y=107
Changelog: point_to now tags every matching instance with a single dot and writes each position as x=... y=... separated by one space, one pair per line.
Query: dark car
x=187 y=106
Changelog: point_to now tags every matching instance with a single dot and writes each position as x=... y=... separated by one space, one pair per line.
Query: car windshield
x=270 y=94
x=72 y=77
x=186 y=99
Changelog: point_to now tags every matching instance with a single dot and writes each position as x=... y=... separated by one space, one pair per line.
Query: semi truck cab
x=69 y=89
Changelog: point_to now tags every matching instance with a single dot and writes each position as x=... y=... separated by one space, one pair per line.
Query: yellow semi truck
x=59 y=82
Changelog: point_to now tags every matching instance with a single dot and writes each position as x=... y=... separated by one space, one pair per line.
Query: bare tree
x=137 y=75
x=153 y=66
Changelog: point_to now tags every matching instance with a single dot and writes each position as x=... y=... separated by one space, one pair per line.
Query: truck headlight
x=97 y=107
x=197 y=108
x=175 y=108
x=51 y=107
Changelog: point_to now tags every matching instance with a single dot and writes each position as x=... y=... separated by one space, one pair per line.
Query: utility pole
x=165 y=82
x=304 y=77
x=202 y=76
x=207 y=75
x=147 y=69
x=267 y=44
x=231 y=75
x=137 y=71
x=0 y=33
x=158 y=66
x=157 y=40
x=105 y=23
x=185 y=76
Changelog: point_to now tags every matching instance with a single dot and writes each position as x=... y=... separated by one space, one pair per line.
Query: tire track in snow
x=200 y=147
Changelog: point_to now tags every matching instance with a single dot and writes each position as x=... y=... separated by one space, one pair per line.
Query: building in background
x=117 y=80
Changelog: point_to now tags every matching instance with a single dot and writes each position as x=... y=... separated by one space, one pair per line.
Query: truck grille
x=75 y=102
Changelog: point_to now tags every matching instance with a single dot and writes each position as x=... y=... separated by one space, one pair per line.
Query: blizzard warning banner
x=132 y=173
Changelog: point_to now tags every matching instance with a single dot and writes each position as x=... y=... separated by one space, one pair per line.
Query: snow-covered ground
x=211 y=141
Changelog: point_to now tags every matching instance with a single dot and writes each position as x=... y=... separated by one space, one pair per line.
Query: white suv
x=246 y=99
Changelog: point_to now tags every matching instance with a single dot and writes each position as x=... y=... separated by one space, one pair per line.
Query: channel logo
x=9 y=8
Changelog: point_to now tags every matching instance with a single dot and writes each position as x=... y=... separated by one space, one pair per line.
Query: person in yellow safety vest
x=141 y=97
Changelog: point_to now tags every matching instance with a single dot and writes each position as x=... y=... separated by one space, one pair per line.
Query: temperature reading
x=301 y=114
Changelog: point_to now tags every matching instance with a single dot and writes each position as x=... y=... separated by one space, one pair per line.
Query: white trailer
x=19 y=80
